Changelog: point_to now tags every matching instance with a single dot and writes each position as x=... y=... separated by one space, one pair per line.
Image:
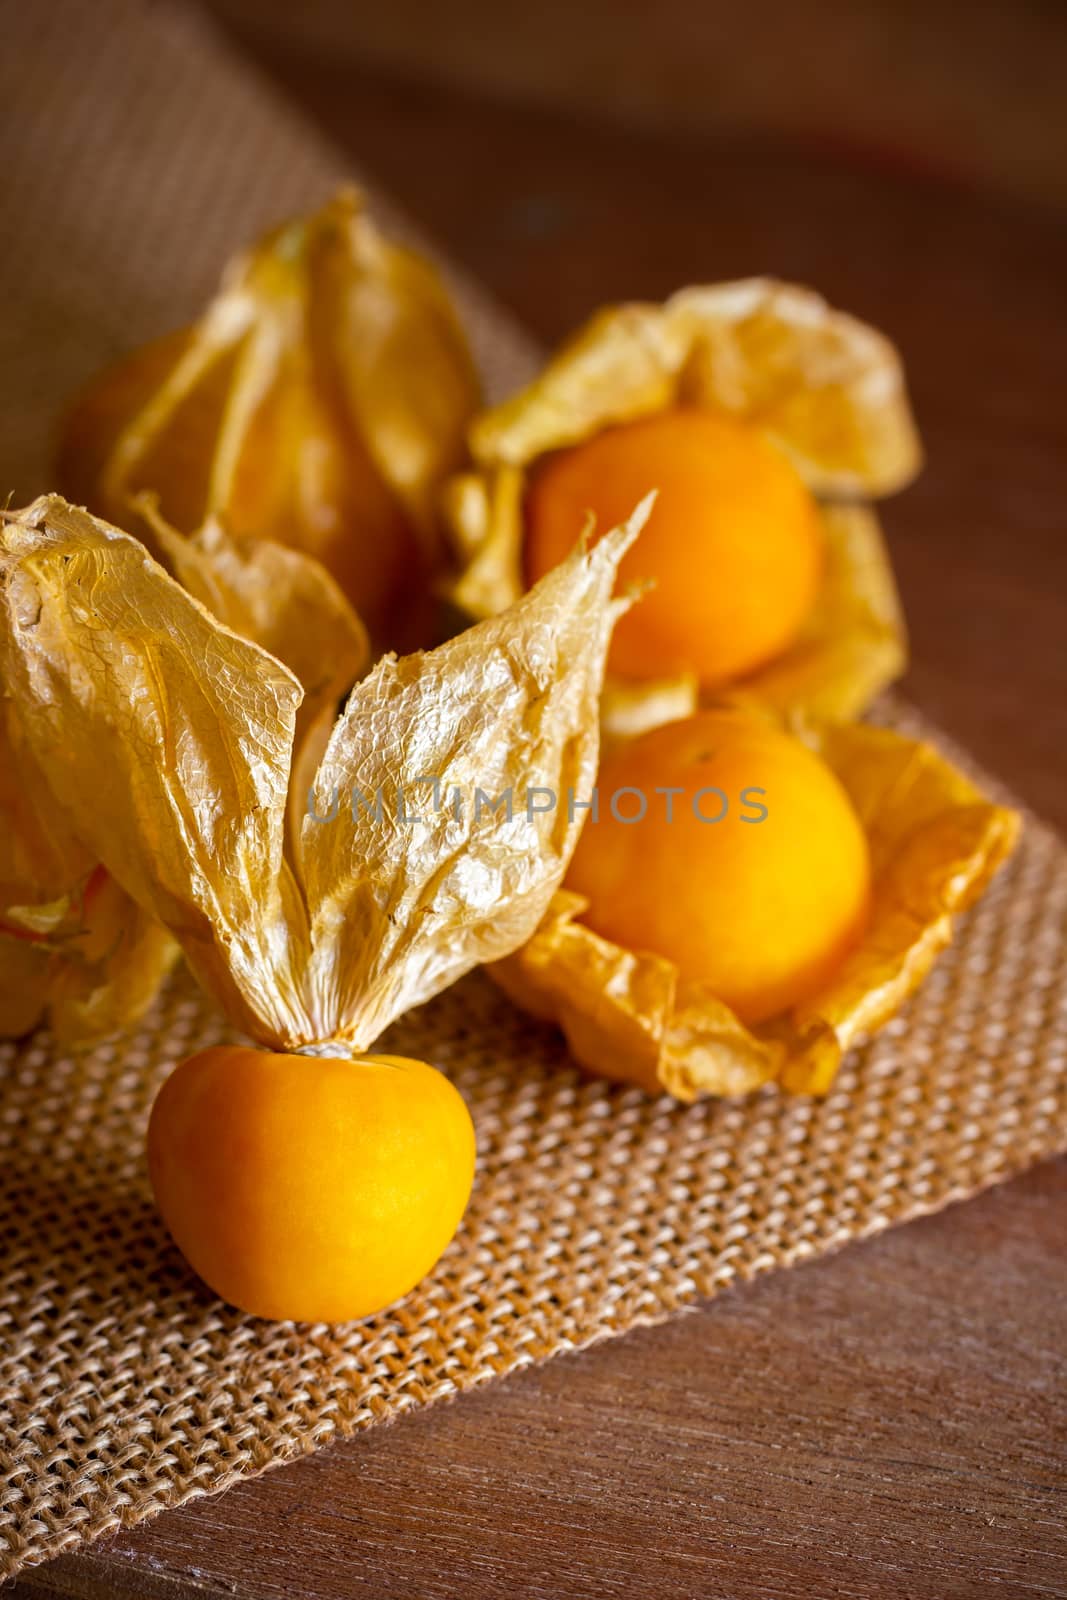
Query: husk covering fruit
x=164 y=742
x=935 y=842
x=75 y=947
x=320 y=401
x=824 y=387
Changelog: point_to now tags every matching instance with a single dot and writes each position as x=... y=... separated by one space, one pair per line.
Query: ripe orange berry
x=308 y=1188
x=733 y=542
x=763 y=911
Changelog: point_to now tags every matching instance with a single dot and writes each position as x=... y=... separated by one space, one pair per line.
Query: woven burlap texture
x=144 y=153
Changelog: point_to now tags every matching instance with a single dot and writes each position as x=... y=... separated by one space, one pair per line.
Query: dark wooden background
x=891 y=1422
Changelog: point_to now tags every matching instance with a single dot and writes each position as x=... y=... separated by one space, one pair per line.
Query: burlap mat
x=142 y=152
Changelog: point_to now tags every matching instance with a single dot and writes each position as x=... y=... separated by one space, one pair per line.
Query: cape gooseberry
x=319 y=1189
x=733 y=544
x=752 y=877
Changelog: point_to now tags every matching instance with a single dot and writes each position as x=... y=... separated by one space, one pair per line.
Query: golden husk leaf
x=935 y=843
x=90 y=961
x=320 y=401
x=62 y=952
x=168 y=739
x=277 y=597
x=107 y=975
x=828 y=389
x=40 y=862
x=97 y=960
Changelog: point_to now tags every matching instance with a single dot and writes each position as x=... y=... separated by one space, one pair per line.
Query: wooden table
x=891 y=1422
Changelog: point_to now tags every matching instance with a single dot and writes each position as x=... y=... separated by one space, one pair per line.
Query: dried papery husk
x=41 y=866
x=628 y=709
x=41 y=863
x=510 y=704
x=95 y=971
x=935 y=843
x=826 y=388
x=170 y=740
x=320 y=401
x=111 y=970
x=97 y=960
x=67 y=951
x=280 y=599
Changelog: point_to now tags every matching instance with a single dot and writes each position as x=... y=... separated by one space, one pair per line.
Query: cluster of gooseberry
x=733 y=552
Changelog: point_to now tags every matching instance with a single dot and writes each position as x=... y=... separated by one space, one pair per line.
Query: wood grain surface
x=891 y=1422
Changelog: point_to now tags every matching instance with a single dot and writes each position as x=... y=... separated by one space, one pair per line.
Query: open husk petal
x=120 y=678
x=484 y=513
x=41 y=861
x=403 y=360
x=320 y=400
x=278 y=597
x=935 y=843
x=272 y=595
x=107 y=976
x=67 y=954
x=507 y=708
x=826 y=387
x=854 y=642
x=625 y=362
x=91 y=963
x=167 y=741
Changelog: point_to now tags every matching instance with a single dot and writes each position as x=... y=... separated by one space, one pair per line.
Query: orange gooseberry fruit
x=733 y=543
x=310 y=1188
x=753 y=877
